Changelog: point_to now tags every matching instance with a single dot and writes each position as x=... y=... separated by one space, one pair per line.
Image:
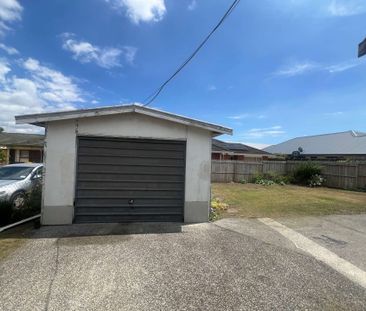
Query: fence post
x=235 y=169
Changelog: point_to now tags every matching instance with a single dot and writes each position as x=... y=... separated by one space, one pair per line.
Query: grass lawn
x=14 y=238
x=251 y=200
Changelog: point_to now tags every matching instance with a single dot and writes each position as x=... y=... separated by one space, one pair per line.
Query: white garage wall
x=198 y=175
x=59 y=178
x=131 y=125
x=61 y=160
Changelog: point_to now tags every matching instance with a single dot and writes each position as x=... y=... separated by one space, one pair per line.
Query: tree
x=2 y=155
x=2 y=151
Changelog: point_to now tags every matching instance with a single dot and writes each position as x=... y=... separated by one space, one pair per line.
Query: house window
x=24 y=156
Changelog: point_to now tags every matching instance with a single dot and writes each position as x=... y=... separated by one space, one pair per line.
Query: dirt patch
x=13 y=239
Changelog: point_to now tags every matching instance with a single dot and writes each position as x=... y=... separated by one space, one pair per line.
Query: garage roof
x=43 y=118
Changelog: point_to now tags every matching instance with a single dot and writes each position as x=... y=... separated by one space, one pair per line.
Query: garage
x=129 y=180
x=125 y=164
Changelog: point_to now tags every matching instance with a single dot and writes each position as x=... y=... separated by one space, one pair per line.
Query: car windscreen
x=14 y=172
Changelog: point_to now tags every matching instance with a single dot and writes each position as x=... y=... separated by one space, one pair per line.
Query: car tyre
x=18 y=200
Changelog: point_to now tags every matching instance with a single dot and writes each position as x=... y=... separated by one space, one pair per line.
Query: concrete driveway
x=344 y=235
x=168 y=267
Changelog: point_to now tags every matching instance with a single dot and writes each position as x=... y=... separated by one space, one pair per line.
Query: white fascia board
x=42 y=119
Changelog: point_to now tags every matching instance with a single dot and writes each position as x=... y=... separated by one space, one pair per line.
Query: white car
x=17 y=181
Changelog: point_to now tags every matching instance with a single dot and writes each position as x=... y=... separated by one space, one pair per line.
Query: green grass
x=250 y=200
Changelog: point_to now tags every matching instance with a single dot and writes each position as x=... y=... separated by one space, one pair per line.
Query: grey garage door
x=129 y=180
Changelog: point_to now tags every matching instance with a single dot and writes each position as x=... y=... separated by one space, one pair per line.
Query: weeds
x=217 y=208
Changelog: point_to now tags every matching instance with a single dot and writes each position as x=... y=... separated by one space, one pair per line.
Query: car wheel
x=18 y=200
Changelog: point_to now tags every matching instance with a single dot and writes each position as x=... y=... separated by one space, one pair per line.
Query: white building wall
x=59 y=177
x=198 y=175
x=61 y=151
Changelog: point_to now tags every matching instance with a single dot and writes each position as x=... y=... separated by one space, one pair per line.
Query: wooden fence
x=338 y=175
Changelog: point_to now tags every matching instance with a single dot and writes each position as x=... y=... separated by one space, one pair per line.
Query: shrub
x=264 y=182
x=316 y=181
x=2 y=155
x=271 y=178
x=305 y=173
x=217 y=207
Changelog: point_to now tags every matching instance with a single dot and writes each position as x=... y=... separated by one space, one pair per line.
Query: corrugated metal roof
x=218 y=145
x=20 y=139
x=350 y=142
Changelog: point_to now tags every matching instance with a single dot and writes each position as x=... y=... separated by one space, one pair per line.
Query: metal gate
x=129 y=180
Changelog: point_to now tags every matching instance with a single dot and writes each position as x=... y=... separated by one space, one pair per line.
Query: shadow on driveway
x=26 y=231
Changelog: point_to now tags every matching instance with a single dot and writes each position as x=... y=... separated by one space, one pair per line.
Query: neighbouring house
x=125 y=164
x=21 y=148
x=349 y=145
x=237 y=152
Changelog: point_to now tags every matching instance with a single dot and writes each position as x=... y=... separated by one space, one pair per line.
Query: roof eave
x=42 y=119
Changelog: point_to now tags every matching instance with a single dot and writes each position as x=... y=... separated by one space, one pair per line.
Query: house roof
x=222 y=146
x=342 y=143
x=20 y=139
x=43 y=118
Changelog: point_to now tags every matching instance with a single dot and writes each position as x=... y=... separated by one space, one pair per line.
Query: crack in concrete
x=48 y=297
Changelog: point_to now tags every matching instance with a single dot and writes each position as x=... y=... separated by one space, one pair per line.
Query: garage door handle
x=130 y=202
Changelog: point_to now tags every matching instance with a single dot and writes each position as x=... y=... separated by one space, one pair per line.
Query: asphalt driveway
x=167 y=267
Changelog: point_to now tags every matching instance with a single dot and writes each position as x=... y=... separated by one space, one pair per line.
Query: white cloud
x=4 y=69
x=343 y=66
x=296 y=69
x=10 y=11
x=301 y=68
x=321 y=8
x=212 y=88
x=106 y=57
x=141 y=10
x=130 y=54
x=53 y=85
x=273 y=131
x=8 y=49
x=239 y=116
x=192 y=6
x=334 y=114
x=42 y=89
x=346 y=7
x=246 y=116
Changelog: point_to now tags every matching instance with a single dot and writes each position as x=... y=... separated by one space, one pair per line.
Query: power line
x=154 y=95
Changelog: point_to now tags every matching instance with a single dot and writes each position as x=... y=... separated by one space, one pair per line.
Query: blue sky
x=276 y=69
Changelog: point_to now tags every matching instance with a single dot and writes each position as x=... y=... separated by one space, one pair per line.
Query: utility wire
x=154 y=95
